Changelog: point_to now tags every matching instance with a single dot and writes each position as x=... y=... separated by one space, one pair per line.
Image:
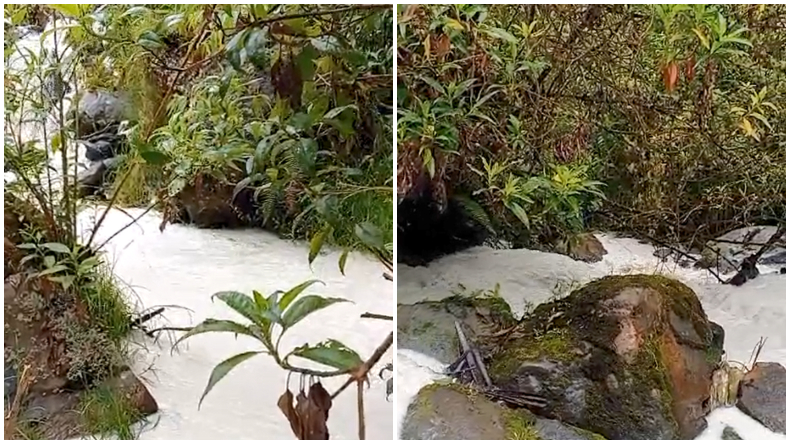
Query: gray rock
x=729 y=433
x=455 y=412
x=92 y=179
x=429 y=327
x=762 y=395
x=98 y=110
x=728 y=251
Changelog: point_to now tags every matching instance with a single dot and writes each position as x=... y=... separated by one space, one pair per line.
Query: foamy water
x=527 y=278
x=183 y=266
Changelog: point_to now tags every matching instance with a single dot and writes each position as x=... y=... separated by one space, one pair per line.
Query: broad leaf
x=331 y=353
x=341 y=263
x=218 y=326
x=57 y=247
x=223 y=368
x=305 y=306
x=155 y=157
x=241 y=304
x=370 y=235
x=291 y=294
x=316 y=243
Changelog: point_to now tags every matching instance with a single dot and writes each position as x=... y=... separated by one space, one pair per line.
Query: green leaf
x=519 y=212
x=65 y=281
x=218 y=326
x=53 y=270
x=336 y=111
x=68 y=10
x=304 y=307
x=155 y=157
x=427 y=160
x=241 y=304
x=370 y=235
x=134 y=11
x=291 y=294
x=331 y=353
x=501 y=34
x=256 y=48
x=315 y=245
x=150 y=40
x=341 y=263
x=57 y=247
x=223 y=368
x=305 y=62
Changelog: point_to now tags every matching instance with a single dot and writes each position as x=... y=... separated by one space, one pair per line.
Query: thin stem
x=361 y=410
x=365 y=368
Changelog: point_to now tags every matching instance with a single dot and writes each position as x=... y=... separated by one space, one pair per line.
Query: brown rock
x=210 y=204
x=583 y=247
x=127 y=384
x=629 y=357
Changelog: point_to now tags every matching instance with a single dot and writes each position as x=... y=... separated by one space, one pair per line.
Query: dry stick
x=365 y=368
x=376 y=316
x=361 y=410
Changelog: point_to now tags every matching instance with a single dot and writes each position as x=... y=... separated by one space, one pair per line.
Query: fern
x=475 y=211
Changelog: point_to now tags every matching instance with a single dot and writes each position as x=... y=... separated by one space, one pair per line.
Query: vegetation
x=276 y=116
x=663 y=120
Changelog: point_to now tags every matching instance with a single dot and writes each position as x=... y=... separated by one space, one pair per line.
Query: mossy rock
x=628 y=357
x=449 y=411
x=429 y=327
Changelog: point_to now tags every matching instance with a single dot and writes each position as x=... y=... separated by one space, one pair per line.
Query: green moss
x=519 y=426
x=423 y=402
x=556 y=345
x=588 y=434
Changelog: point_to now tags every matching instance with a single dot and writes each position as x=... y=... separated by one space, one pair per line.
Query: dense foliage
x=666 y=120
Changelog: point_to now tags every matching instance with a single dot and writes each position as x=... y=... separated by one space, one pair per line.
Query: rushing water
x=182 y=267
x=527 y=278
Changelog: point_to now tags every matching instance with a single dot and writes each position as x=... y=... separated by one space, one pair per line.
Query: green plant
x=109 y=414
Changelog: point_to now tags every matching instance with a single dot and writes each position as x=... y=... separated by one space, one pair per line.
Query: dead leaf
x=670 y=75
x=442 y=45
x=286 y=405
x=690 y=63
x=287 y=81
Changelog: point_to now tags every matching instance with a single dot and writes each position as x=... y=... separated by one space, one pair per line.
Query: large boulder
x=98 y=110
x=762 y=395
x=429 y=327
x=629 y=357
x=456 y=412
x=728 y=251
x=92 y=179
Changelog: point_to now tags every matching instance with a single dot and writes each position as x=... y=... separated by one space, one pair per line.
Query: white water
x=528 y=278
x=184 y=266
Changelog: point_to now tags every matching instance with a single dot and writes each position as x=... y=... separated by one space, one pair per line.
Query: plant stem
x=368 y=365
x=361 y=410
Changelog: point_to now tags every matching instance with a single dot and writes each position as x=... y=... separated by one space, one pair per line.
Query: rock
x=209 y=203
x=728 y=251
x=429 y=327
x=729 y=433
x=629 y=357
x=663 y=253
x=91 y=180
x=456 y=412
x=129 y=386
x=100 y=150
x=762 y=395
x=100 y=109
x=583 y=247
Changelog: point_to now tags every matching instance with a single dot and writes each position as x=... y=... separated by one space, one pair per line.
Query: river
x=527 y=278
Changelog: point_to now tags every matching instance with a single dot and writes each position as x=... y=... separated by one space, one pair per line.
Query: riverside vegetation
x=269 y=116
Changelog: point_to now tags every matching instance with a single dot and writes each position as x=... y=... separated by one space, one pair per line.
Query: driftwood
x=748 y=269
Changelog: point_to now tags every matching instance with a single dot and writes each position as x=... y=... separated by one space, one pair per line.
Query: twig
x=387 y=276
x=365 y=368
x=376 y=316
x=147 y=317
x=134 y=221
x=314 y=14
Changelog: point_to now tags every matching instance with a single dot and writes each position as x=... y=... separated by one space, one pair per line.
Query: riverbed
x=527 y=278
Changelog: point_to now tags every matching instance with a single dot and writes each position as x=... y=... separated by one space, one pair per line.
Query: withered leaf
x=286 y=405
x=321 y=398
x=287 y=81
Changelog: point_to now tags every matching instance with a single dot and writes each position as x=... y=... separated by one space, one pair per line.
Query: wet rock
x=584 y=247
x=98 y=110
x=209 y=203
x=762 y=394
x=629 y=357
x=728 y=251
x=729 y=433
x=429 y=327
x=91 y=180
x=455 y=412
x=128 y=385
